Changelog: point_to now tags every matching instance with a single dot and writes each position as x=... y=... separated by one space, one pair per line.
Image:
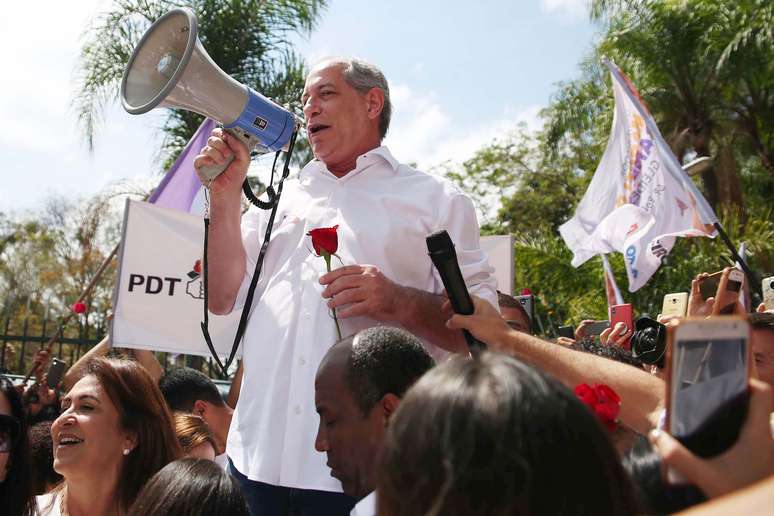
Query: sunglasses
x=9 y=432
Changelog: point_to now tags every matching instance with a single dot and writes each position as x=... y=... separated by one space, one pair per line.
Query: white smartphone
x=675 y=304
x=708 y=371
x=768 y=292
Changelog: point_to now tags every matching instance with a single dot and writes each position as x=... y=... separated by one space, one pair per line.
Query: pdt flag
x=640 y=198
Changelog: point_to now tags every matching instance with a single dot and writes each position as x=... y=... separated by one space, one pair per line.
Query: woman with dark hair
x=114 y=433
x=190 y=486
x=16 y=495
x=495 y=436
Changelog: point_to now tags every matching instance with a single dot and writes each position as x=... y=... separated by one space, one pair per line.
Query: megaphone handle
x=207 y=174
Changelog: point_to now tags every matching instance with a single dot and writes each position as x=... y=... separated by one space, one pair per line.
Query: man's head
x=762 y=343
x=514 y=313
x=188 y=390
x=347 y=108
x=358 y=386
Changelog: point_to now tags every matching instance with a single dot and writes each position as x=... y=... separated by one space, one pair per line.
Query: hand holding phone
x=708 y=370
x=727 y=295
x=768 y=292
x=621 y=314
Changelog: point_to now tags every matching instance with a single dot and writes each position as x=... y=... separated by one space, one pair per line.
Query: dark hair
x=42 y=454
x=761 y=320
x=142 y=410
x=16 y=495
x=183 y=386
x=190 y=486
x=656 y=495
x=495 y=436
x=383 y=360
x=591 y=345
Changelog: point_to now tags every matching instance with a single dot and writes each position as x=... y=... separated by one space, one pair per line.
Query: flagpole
x=752 y=280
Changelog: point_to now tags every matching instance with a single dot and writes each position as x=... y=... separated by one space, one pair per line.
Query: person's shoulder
x=428 y=180
x=48 y=504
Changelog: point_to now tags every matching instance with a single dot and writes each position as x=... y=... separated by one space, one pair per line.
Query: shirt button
x=307 y=315
x=302 y=361
x=298 y=410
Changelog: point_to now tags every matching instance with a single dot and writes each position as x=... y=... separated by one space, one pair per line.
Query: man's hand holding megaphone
x=221 y=146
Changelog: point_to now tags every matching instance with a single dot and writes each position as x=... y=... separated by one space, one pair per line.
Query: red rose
x=325 y=240
x=586 y=394
x=78 y=307
x=605 y=392
x=197 y=267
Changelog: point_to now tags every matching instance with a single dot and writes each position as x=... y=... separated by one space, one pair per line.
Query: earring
x=126 y=451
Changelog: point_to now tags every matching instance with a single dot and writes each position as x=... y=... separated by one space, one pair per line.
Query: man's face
x=516 y=318
x=763 y=353
x=350 y=439
x=340 y=122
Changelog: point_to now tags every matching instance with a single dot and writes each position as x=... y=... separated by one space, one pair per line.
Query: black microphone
x=441 y=250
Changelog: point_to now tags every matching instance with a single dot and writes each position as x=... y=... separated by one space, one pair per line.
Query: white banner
x=640 y=199
x=159 y=298
x=499 y=249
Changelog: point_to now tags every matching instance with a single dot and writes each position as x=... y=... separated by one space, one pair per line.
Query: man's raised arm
x=226 y=259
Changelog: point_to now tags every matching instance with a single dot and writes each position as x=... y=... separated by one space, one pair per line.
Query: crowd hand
x=39 y=363
x=669 y=320
x=616 y=335
x=697 y=306
x=750 y=459
x=564 y=341
x=221 y=146
x=485 y=323
x=580 y=331
x=46 y=394
x=718 y=306
x=362 y=290
x=762 y=308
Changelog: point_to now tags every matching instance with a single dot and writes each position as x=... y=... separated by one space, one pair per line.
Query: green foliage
x=705 y=69
x=248 y=39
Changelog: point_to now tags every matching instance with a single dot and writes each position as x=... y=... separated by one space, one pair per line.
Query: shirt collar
x=381 y=152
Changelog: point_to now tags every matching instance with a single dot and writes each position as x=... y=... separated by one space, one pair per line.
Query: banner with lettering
x=159 y=297
x=640 y=198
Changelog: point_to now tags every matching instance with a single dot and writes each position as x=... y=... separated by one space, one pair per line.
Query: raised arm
x=225 y=256
x=642 y=394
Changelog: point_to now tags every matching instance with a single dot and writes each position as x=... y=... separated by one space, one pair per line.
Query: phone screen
x=708 y=389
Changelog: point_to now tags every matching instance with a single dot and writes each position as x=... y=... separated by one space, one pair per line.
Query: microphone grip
x=443 y=256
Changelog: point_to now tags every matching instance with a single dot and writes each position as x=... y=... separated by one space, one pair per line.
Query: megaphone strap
x=247 y=309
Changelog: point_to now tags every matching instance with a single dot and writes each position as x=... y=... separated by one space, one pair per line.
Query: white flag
x=159 y=297
x=640 y=198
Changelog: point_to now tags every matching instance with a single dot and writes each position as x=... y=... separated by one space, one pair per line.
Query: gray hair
x=363 y=76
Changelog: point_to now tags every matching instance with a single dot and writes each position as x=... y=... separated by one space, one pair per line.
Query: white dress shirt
x=385 y=211
x=366 y=506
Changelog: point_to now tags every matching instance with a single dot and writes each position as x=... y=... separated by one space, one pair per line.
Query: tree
x=249 y=40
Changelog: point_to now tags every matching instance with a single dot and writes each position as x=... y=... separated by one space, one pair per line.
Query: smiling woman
x=114 y=425
x=15 y=470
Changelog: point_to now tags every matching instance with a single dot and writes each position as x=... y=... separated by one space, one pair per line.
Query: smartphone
x=55 y=372
x=727 y=294
x=768 y=292
x=708 y=286
x=597 y=327
x=622 y=313
x=528 y=303
x=675 y=304
x=708 y=371
x=566 y=331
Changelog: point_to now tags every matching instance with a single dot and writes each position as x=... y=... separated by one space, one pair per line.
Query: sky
x=461 y=74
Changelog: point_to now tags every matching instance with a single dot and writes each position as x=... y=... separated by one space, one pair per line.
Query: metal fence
x=21 y=340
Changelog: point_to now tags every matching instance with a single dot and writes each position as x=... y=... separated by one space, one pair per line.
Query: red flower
x=325 y=240
x=603 y=401
x=197 y=267
x=78 y=307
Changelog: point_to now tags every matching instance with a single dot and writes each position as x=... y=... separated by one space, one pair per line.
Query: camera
x=649 y=341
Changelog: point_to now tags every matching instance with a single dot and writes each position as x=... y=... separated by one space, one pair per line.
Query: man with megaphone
x=383 y=211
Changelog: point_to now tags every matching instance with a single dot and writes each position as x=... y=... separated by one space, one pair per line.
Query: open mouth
x=316 y=128
x=68 y=440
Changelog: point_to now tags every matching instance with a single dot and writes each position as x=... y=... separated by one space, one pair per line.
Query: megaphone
x=170 y=68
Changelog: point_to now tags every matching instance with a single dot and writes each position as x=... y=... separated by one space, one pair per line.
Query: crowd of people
x=398 y=417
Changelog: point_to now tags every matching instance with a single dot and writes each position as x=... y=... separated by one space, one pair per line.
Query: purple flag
x=180 y=185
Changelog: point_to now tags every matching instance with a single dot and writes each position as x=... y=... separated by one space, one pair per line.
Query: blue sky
x=461 y=74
